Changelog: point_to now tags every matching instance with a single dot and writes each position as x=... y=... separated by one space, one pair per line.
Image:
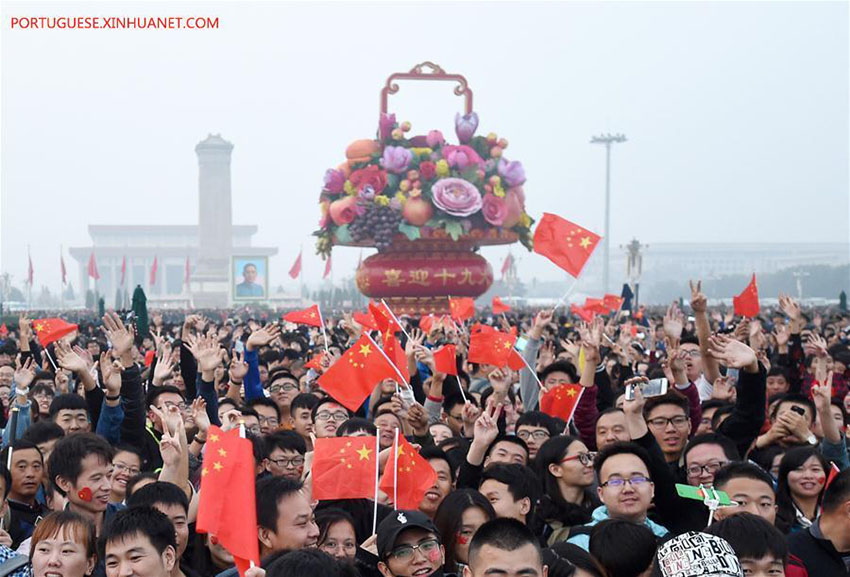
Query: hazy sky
x=736 y=114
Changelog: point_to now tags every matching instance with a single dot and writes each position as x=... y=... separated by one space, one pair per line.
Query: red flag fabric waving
x=515 y=362
x=123 y=270
x=62 y=269
x=461 y=308
x=52 y=329
x=227 y=506
x=315 y=362
x=4 y=330
x=295 y=270
x=746 y=304
x=613 y=302
x=394 y=350
x=445 y=360
x=565 y=243
x=384 y=318
x=490 y=348
x=344 y=468
x=561 y=401
x=833 y=473
x=415 y=476
x=366 y=320
x=582 y=313
x=154 y=268
x=506 y=265
x=351 y=378
x=596 y=306
x=327 y=267
x=309 y=316
x=499 y=307
x=93 y=267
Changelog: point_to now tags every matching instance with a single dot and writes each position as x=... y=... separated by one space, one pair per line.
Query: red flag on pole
x=296 y=267
x=461 y=308
x=384 y=318
x=227 y=507
x=613 y=302
x=52 y=329
x=565 y=243
x=490 y=347
x=366 y=320
x=746 y=304
x=506 y=265
x=582 y=313
x=833 y=473
x=394 y=350
x=93 y=267
x=344 y=468
x=561 y=401
x=596 y=306
x=309 y=316
x=327 y=267
x=410 y=479
x=123 y=269
x=445 y=360
x=62 y=268
x=30 y=274
x=499 y=307
x=154 y=267
x=353 y=377
x=4 y=330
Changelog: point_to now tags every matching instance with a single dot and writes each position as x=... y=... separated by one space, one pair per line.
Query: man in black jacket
x=824 y=548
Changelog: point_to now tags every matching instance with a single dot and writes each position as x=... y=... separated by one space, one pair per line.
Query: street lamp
x=607 y=140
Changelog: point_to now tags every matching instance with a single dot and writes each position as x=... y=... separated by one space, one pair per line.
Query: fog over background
x=736 y=115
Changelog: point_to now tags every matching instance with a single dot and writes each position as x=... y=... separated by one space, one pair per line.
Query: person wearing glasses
x=268 y=414
x=667 y=417
x=285 y=450
x=328 y=415
x=565 y=466
x=126 y=464
x=625 y=489
x=283 y=387
x=407 y=545
x=535 y=428
x=705 y=455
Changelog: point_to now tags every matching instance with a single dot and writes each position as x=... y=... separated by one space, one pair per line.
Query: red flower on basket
x=369 y=176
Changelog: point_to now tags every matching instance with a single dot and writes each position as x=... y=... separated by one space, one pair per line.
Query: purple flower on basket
x=385 y=126
x=334 y=180
x=465 y=126
x=512 y=172
x=456 y=196
x=494 y=209
x=434 y=139
x=396 y=159
x=367 y=192
x=461 y=157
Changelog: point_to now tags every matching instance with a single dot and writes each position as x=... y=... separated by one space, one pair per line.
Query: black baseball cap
x=395 y=523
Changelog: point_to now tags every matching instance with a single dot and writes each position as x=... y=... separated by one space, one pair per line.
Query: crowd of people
x=106 y=433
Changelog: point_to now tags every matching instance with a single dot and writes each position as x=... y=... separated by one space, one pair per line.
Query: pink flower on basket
x=494 y=209
x=434 y=139
x=512 y=172
x=456 y=196
x=396 y=159
x=334 y=180
x=461 y=157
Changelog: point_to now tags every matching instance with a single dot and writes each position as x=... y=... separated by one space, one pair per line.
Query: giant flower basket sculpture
x=426 y=204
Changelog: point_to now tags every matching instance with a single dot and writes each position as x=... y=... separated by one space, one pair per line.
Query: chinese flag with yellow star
x=564 y=243
x=413 y=477
x=366 y=320
x=490 y=347
x=50 y=330
x=309 y=316
x=445 y=360
x=344 y=468
x=227 y=508
x=560 y=401
x=395 y=352
x=746 y=304
x=351 y=378
x=499 y=307
x=461 y=308
x=384 y=319
x=613 y=302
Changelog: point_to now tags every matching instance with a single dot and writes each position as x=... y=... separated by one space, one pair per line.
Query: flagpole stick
x=460 y=387
x=395 y=471
x=377 y=474
x=564 y=298
x=324 y=332
x=392 y=314
x=532 y=371
x=47 y=353
x=578 y=400
x=392 y=364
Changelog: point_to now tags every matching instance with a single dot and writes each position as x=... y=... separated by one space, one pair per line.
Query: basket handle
x=427 y=71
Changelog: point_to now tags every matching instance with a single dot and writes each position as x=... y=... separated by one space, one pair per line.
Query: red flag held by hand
x=461 y=308
x=561 y=401
x=415 y=475
x=395 y=352
x=499 y=307
x=582 y=313
x=490 y=348
x=4 y=330
x=353 y=377
x=613 y=302
x=315 y=363
x=515 y=362
x=746 y=304
x=227 y=507
x=445 y=360
x=596 y=306
x=309 y=316
x=366 y=320
x=344 y=468
x=566 y=244
x=50 y=330
x=384 y=318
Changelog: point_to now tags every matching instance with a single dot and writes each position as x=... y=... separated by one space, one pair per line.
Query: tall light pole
x=607 y=140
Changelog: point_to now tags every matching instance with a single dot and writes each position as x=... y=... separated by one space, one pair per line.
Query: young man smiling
x=139 y=542
x=408 y=545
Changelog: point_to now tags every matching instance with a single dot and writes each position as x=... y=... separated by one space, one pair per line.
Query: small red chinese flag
x=93 y=267
x=445 y=360
x=490 y=348
x=227 y=508
x=596 y=306
x=50 y=330
x=315 y=363
x=353 y=377
x=426 y=323
x=4 y=330
x=564 y=243
x=124 y=269
x=154 y=268
x=833 y=473
x=613 y=302
x=366 y=320
x=384 y=318
x=561 y=401
x=582 y=313
x=499 y=307
x=461 y=308
x=394 y=350
x=414 y=476
x=62 y=269
x=344 y=468
x=328 y=267
x=515 y=362
x=296 y=267
x=746 y=304
x=309 y=316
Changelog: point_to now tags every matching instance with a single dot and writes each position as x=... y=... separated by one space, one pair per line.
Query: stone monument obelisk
x=211 y=279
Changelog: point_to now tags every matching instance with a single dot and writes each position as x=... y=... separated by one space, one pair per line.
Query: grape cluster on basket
x=379 y=223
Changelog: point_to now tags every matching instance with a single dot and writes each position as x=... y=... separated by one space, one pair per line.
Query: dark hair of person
x=552 y=504
x=751 y=537
x=764 y=457
x=836 y=402
x=258 y=447
x=67 y=401
x=741 y=471
x=69 y=525
x=714 y=404
x=21 y=445
x=505 y=534
x=43 y=431
x=304 y=563
x=133 y=481
x=285 y=441
x=621 y=448
x=796 y=399
x=507 y=439
x=671 y=398
x=139 y=522
x=227 y=401
x=451 y=401
x=356 y=425
x=624 y=548
x=66 y=460
x=159 y=492
x=560 y=367
x=449 y=519
x=128 y=448
x=564 y=558
x=155 y=392
x=318 y=406
x=303 y=401
x=777 y=371
x=718 y=415
x=264 y=402
x=537 y=419
x=249 y=412
x=521 y=482
x=837 y=493
x=7 y=479
x=433 y=452
x=724 y=442
x=270 y=491
x=455 y=449
x=327 y=518
x=279 y=374
x=793 y=459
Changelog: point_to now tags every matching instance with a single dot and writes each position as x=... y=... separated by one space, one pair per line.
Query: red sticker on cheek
x=434 y=556
x=84 y=494
x=461 y=540
x=821 y=480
